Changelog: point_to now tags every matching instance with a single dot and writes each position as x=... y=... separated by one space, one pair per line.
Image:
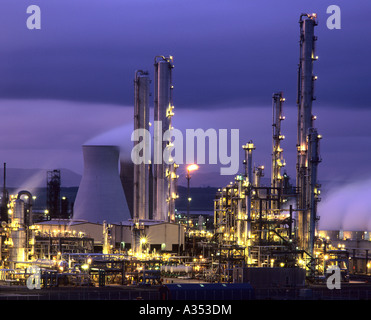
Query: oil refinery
x=126 y=231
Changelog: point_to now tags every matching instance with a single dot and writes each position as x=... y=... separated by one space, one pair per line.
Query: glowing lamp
x=192 y=167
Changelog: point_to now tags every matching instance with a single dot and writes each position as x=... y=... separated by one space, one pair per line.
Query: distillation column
x=277 y=159
x=141 y=121
x=313 y=187
x=240 y=214
x=163 y=112
x=249 y=147
x=305 y=122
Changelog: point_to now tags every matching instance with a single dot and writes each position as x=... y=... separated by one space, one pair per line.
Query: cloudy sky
x=73 y=79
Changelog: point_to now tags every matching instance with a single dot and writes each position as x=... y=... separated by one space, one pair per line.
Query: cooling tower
x=127 y=181
x=101 y=196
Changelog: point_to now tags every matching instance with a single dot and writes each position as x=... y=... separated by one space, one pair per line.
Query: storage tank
x=101 y=195
x=17 y=252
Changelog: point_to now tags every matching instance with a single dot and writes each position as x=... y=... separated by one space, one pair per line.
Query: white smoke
x=35 y=181
x=347 y=208
x=119 y=136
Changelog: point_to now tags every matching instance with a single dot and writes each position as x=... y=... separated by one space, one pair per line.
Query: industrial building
x=125 y=222
x=276 y=225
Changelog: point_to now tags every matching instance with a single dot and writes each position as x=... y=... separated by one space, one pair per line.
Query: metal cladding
x=141 y=121
x=163 y=107
x=306 y=208
x=101 y=196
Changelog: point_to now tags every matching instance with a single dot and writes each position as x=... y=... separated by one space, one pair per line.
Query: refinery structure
x=125 y=228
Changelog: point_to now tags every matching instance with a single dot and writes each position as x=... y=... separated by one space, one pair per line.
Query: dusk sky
x=73 y=79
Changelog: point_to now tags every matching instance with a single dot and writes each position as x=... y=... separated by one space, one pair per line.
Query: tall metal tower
x=307 y=144
x=53 y=193
x=164 y=176
x=277 y=159
x=4 y=200
x=141 y=121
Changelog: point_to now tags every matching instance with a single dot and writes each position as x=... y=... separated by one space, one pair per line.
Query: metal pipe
x=188 y=197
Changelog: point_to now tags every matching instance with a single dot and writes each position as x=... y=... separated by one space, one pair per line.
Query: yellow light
x=192 y=167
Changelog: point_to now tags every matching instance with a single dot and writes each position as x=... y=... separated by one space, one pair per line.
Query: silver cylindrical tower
x=17 y=252
x=163 y=106
x=305 y=121
x=141 y=121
